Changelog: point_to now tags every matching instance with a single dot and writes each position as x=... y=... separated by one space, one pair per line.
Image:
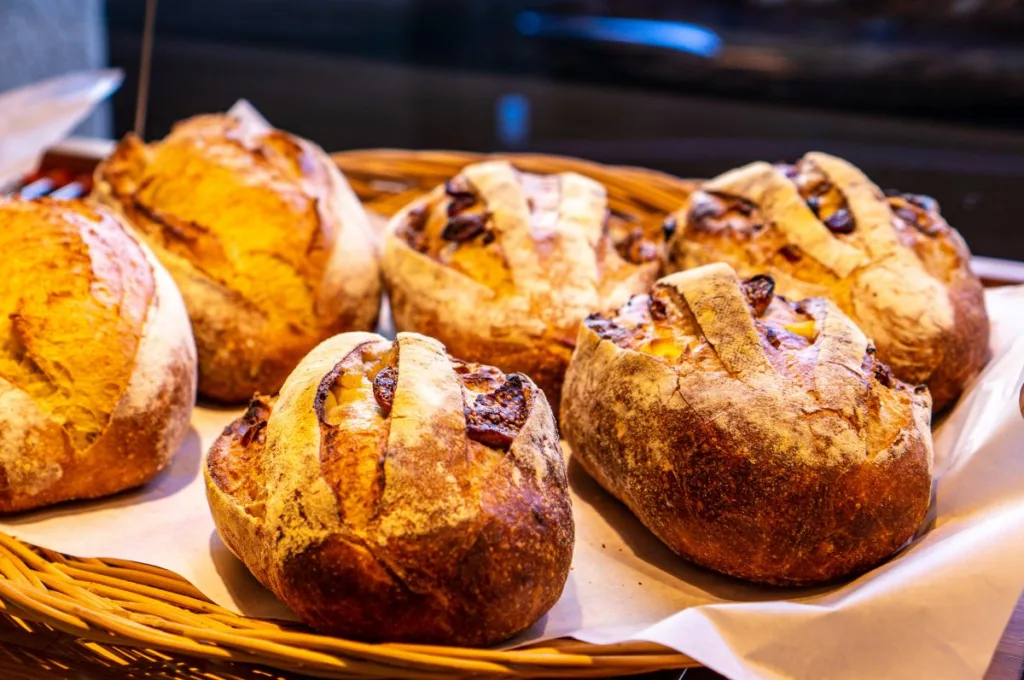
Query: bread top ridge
x=821 y=228
x=258 y=212
x=385 y=444
x=720 y=342
x=78 y=290
x=543 y=250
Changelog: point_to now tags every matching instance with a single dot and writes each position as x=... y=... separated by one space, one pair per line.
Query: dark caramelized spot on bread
x=918 y=211
x=461 y=195
x=496 y=405
x=635 y=242
x=884 y=374
x=636 y=247
x=669 y=226
x=759 y=291
x=462 y=228
x=823 y=197
x=412 y=228
x=840 y=222
x=384 y=388
x=236 y=459
x=495 y=418
x=712 y=212
x=252 y=425
x=416 y=219
x=791 y=254
x=658 y=310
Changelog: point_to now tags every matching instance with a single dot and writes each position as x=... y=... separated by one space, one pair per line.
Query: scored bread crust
x=787 y=466
x=912 y=293
x=255 y=310
x=558 y=274
x=39 y=465
x=437 y=539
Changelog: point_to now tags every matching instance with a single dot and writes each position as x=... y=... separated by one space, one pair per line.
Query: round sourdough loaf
x=502 y=266
x=266 y=240
x=97 y=360
x=820 y=228
x=755 y=436
x=391 y=492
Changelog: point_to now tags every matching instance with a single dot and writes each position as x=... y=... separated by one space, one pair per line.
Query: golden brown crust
x=502 y=266
x=270 y=247
x=394 y=493
x=821 y=228
x=97 y=361
x=760 y=439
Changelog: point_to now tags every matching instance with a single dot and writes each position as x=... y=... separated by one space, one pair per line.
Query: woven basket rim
x=387 y=179
x=119 y=603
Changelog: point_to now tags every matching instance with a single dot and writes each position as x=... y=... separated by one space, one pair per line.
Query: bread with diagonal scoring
x=755 y=436
x=503 y=265
x=393 y=493
x=97 y=360
x=263 y=235
x=821 y=228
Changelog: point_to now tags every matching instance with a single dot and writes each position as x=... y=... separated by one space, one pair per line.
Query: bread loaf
x=394 y=493
x=502 y=266
x=271 y=249
x=755 y=436
x=97 y=360
x=820 y=228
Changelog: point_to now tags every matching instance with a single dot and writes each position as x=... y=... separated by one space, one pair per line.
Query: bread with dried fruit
x=502 y=266
x=392 y=492
x=821 y=228
x=755 y=436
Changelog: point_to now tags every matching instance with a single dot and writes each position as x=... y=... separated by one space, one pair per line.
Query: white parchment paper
x=37 y=116
x=936 y=610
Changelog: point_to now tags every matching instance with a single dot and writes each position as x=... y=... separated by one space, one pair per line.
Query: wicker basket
x=388 y=179
x=62 y=615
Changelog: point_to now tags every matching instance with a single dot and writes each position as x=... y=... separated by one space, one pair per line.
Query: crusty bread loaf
x=392 y=492
x=97 y=361
x=502 y=266
x=820 y=228
x=271 y=249
x=755 y=436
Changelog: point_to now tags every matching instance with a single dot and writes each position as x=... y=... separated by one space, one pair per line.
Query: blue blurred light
x=529 y=23
x=513 y=118
x=673 y=35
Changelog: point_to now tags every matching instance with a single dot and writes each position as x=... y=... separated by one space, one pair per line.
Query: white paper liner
x=35 y=117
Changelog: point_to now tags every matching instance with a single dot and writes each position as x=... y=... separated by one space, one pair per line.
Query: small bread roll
x=97 y=360
x=394 y=493
x=754 y=436
x=271 y=249
x=820 y=228
x=502 y=266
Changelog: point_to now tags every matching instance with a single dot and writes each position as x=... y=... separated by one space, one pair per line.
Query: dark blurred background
x=926 y=96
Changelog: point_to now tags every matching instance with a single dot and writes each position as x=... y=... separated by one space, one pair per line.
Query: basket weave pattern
x=120 y=613
x=63 y=615
x=388 y=179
